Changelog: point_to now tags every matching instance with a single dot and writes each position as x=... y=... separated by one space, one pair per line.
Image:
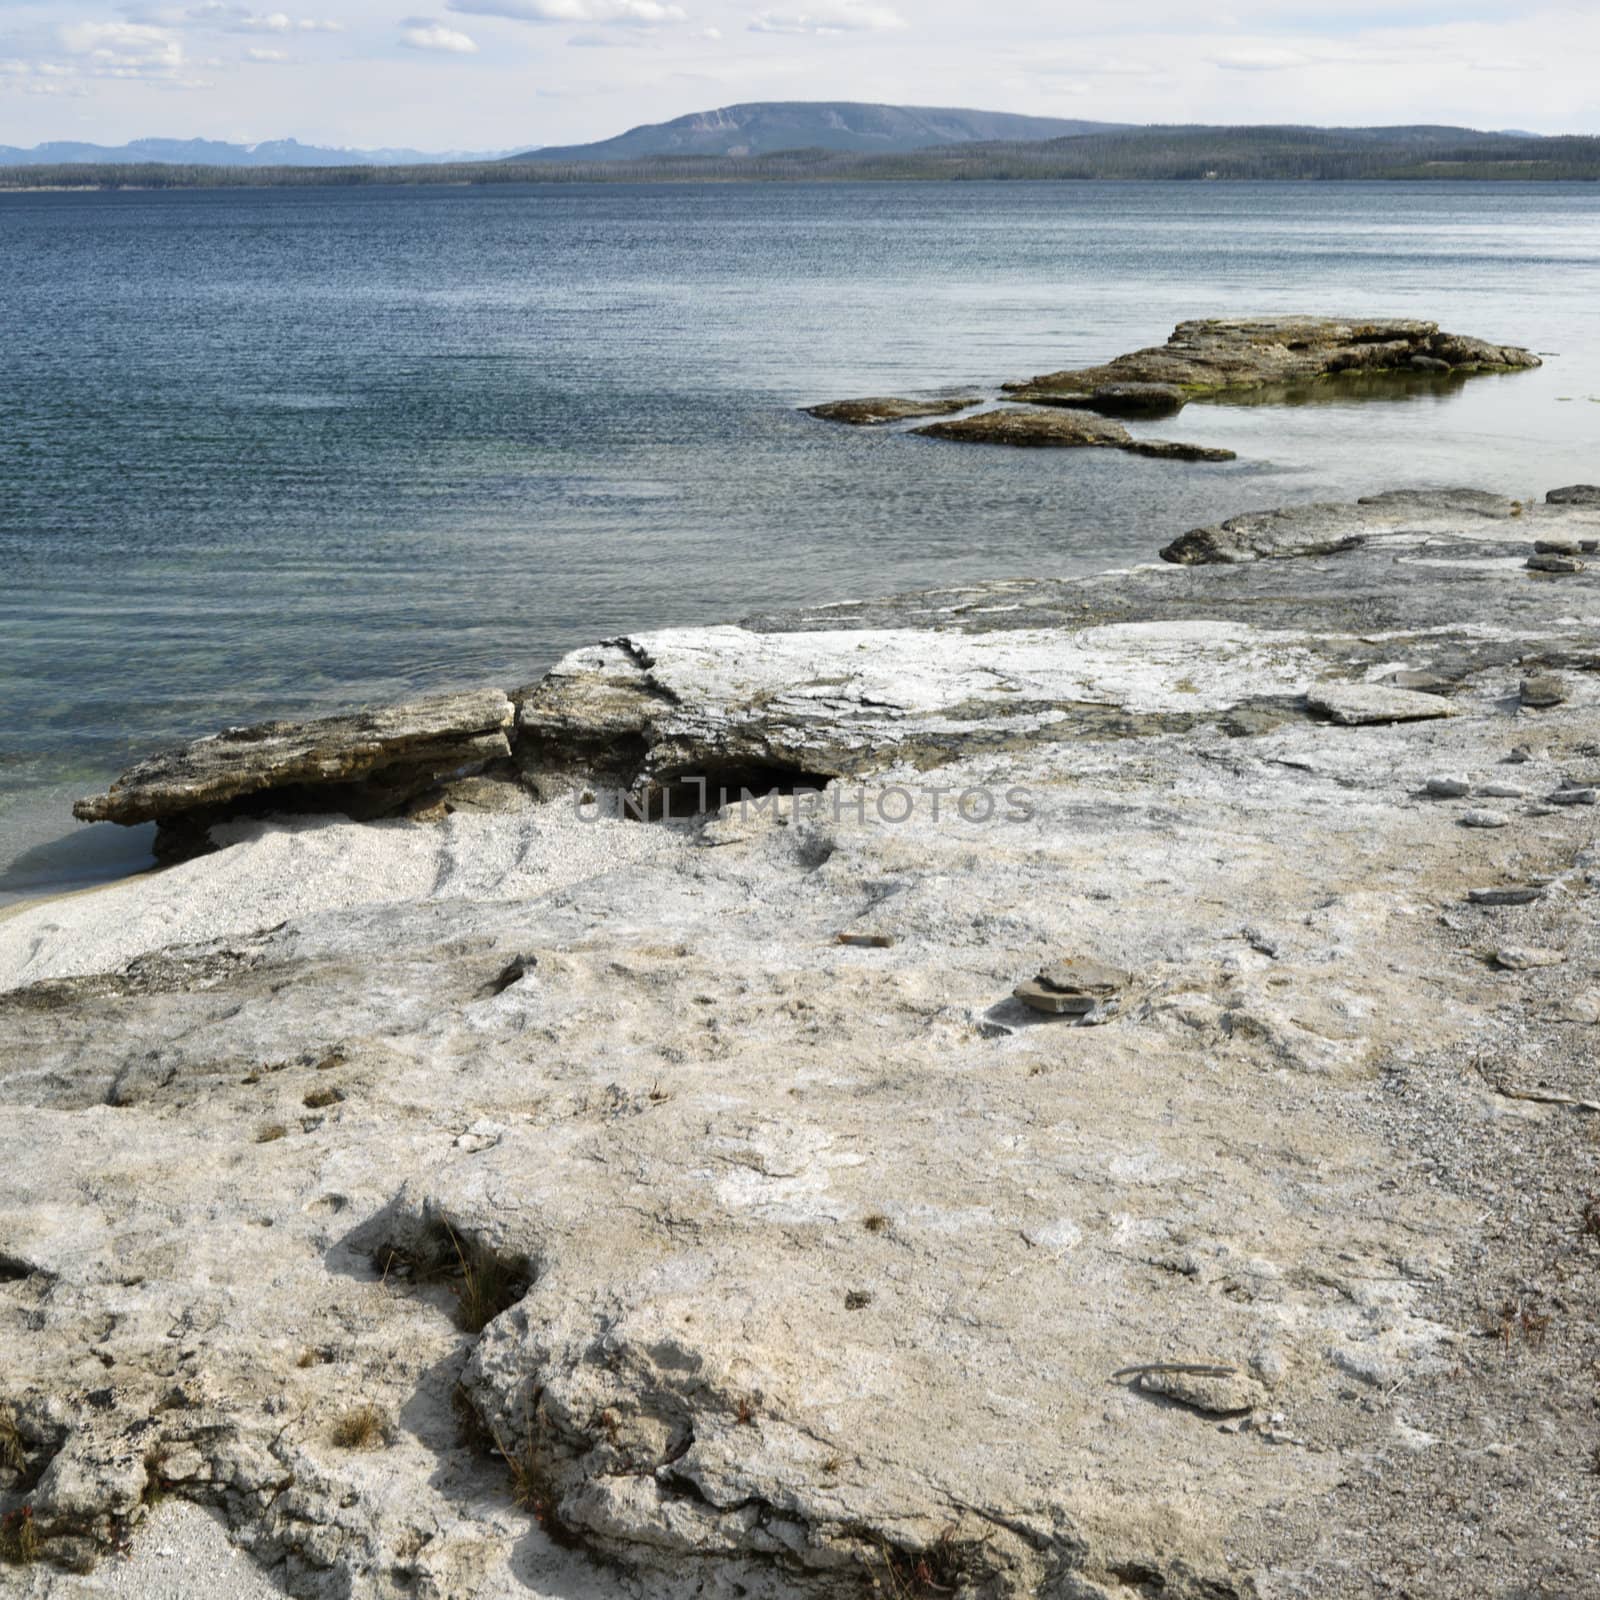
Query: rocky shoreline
x=504 y=1196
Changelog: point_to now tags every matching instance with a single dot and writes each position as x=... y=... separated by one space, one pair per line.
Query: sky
x=487 y=75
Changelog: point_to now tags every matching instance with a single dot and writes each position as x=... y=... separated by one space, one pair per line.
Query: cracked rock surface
x=533 y=1202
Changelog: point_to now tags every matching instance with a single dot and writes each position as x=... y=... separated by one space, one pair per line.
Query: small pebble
x=1574 y=797
x=1485 y=819
x=1519 y=958
x=1554 y=564
x=1521 y=754
x=1503 y=791
x=1448 y=786
x=1543 y=691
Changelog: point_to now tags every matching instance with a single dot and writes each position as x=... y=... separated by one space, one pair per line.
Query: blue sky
x=490 y=74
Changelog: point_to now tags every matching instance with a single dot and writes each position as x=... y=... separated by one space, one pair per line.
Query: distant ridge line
x=1283 y=153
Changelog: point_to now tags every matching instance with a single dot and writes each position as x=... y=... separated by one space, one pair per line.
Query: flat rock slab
x=1062 y=429
x=880 y=411
x=399 y=747
x=1085 y=975
x=1331 y=528
x=1576 y=494
x=1235 y=355
x=1359 y=704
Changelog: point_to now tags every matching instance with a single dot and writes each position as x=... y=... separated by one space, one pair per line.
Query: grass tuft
x=155 y=1481
x=13 y=1452
x=533 y=1490
x=19 y=1537
x=364 y=1428
x=488 y=1286
x=921 y=1574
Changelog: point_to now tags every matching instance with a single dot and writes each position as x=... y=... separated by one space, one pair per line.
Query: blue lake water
x=274 y=452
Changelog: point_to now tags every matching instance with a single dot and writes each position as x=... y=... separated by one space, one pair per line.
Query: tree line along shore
x=1275 y=154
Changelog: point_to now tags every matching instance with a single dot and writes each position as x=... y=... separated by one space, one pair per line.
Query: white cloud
x=124 y=46
x=841 y=16
x=266 y=57
x=632 y=13
x=231 y=18
x=419 y=33
x=1265 y=60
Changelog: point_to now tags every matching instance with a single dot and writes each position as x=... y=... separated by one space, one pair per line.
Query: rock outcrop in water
x=877 y=413
x=1217 y=358
x=570 y=1187
x=1034 y=428
x=1224 y=356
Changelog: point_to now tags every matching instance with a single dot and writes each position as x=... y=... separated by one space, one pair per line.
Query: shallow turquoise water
x=271 y=452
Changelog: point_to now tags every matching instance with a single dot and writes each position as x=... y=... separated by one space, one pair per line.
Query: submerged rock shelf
x=447 y=1202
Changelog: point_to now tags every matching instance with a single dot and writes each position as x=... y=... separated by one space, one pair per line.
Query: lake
x=272 y=452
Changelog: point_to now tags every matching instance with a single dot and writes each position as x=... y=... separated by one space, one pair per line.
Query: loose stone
x=1231 y=1396
x=1542 y=692
x=1485 y=819
x=1554 y=564
x=1052 y=1002
x=1080 y=986
x=1448 y=786
x=1523 y=958
x=1522 y=894
x=1359 y=704
x=1574 y=797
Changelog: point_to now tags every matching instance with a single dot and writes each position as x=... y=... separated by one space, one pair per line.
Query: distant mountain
x=768 y=126
x=214 y=153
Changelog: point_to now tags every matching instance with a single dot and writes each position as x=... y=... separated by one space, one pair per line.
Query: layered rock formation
x=1222 y=356
x=365 y=764
x=577 y=1193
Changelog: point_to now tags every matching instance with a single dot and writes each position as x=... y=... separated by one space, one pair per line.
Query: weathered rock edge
x=758 y=707
x=365 y=764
